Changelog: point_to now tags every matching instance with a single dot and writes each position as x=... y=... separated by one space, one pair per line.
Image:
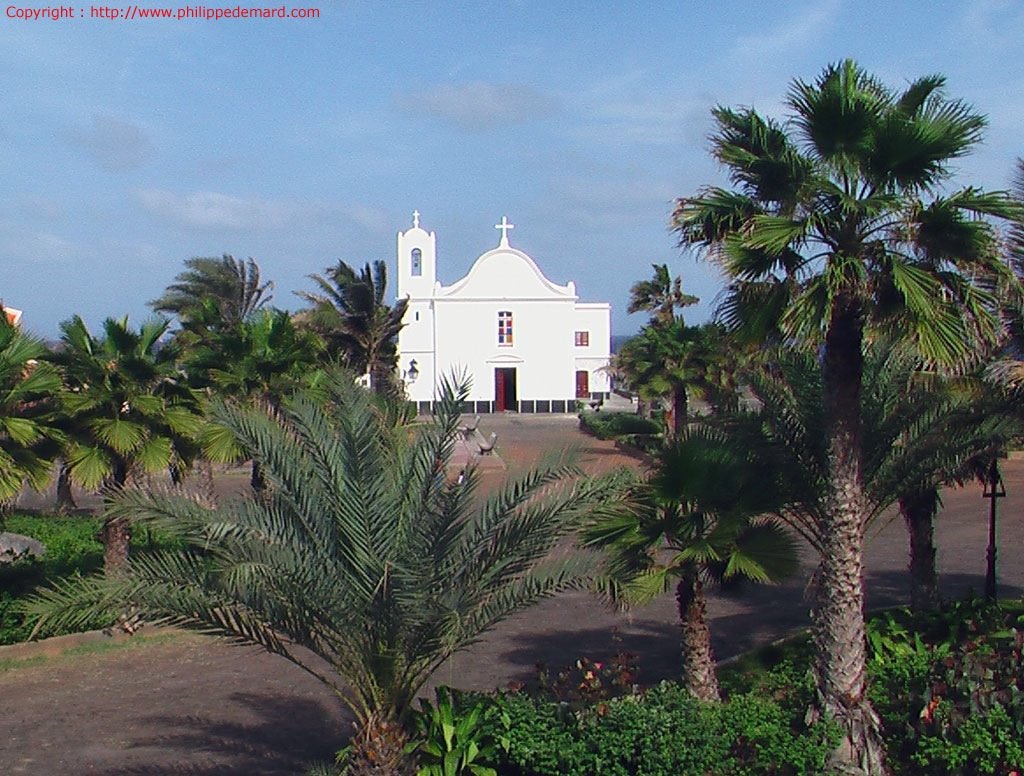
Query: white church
x=527 y=344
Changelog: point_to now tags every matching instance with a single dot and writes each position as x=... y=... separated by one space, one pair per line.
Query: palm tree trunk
x=378 y=749
x=679 y=409
x=206 y=488
x=116 y=533
x=698 y=655
x=839 y=607
x=65 y=503
x=116 y=536
x=257 y=480
x=918 y=510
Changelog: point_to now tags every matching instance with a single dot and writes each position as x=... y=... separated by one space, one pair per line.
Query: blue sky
x=127 y=147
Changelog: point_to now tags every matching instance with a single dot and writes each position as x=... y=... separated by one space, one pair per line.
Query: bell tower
x=417 y=261
x=417 y=276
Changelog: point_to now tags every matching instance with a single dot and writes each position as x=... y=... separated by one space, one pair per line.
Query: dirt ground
x=190 y=706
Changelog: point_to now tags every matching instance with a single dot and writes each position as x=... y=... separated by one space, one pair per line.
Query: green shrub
x=609 y=425
x=458 y=735
x=663 y=732
x=779 y=672
x=949 y=688
x=983 y=743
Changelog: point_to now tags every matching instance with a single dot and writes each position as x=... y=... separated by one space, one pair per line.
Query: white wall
x=595 y=319
x=541 y=350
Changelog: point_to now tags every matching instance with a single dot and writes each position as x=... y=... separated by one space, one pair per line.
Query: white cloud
x=991 y=25
x=115 y=145
x=479 y=105
x=212 y=210
x=635 y=108
x=773 y=43
x=26 y=246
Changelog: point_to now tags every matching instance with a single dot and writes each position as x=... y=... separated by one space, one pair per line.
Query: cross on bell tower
x=504 y=226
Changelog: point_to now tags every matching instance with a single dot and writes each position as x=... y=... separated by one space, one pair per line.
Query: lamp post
x=992 y=489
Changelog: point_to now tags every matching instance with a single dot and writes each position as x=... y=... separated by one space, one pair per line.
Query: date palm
x=921 y=431
x=360 y=328
x=366 y=559
x=835 y=230
x=703 y=516
x=1008 y=370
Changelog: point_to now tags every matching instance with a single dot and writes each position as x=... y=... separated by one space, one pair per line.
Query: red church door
x=505 y=389
x=582 y=384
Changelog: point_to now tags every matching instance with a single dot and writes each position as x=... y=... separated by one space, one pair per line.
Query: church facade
x=526 y=343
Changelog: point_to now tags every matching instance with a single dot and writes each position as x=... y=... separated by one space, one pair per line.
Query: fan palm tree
x=260 y=361
x=701 y=517
x=365 y=554
x=215 y=293
x=350 y=313
x=827 y=238
x=126 y=407
x=671 y=360
x=29 y=386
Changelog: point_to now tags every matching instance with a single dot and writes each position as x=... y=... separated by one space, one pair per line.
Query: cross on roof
x=415 y=219
x=504 y=226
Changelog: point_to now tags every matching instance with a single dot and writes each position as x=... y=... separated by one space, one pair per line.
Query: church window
x=417 y=262
x=582 y=339
x=505 y=327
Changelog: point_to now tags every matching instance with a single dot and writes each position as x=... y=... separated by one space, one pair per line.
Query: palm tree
x=940 y=431
x=1008 y=370
x=215 y=292
x=656 y=363
x=921 y=431
x=126 y=408
x=826 y=239
x=259 y=361
x=659 y=296
x=366 y=554
x=701 y=517
x=29 y=385
x=349 y=312
x=671 y=360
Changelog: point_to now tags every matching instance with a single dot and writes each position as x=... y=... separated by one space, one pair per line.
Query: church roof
x=506 y=273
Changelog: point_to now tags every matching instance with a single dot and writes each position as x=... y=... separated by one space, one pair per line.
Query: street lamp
x=992 y=489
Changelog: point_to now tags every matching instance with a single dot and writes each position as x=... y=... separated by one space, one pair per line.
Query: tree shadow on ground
x=740 y=620
x=892 y=588
x=286 y=736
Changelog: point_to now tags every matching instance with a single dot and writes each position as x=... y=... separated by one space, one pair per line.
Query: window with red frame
x=582 y=339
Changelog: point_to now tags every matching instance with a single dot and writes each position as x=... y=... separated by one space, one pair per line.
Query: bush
x=663 y=732
x=72 y=547
x=609 y=425
x=949 y=688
